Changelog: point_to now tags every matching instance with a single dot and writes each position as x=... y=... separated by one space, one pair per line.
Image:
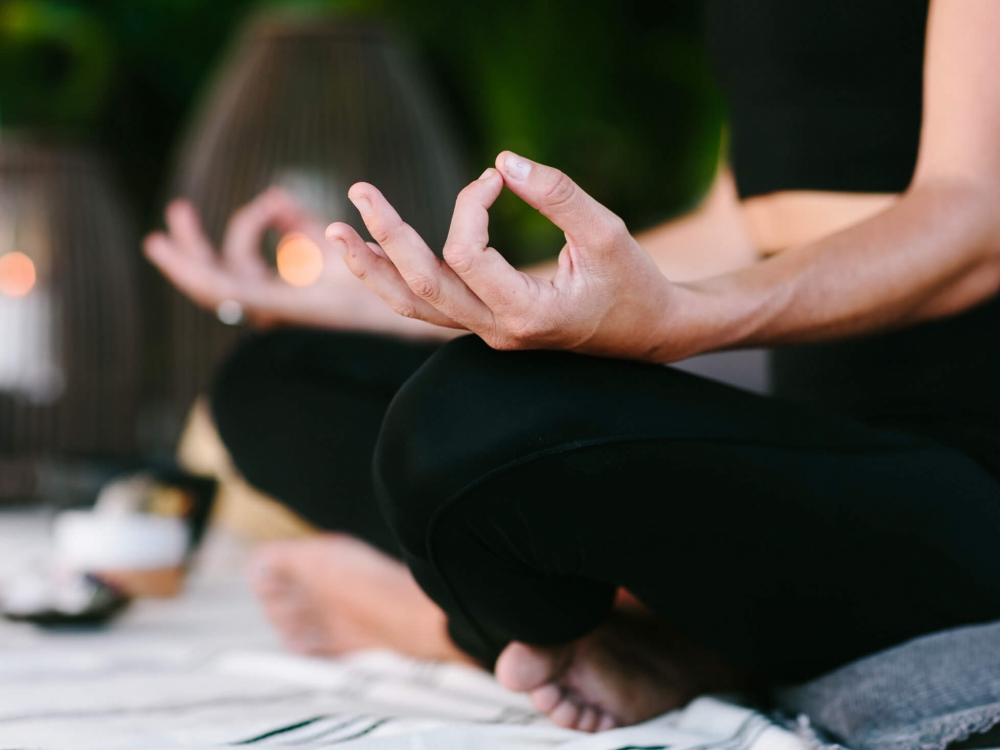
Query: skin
x=318 y=593
x=238 y=272
x=710 y=239
x=692 y=286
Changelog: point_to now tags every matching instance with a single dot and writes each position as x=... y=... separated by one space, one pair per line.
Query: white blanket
x=204 y=671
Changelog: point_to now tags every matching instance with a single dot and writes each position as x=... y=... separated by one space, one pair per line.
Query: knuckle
x=406 y=309
x=423 y=286
x=460 y=257
x=610 y=227
x=557 y=188
x=380 y=233
x=527 y=329
x=500 y=342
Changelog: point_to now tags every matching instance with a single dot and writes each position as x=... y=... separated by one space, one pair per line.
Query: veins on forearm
x=934 y=253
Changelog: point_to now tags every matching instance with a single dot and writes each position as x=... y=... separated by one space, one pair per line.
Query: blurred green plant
x=55 y=65
x=615 y=92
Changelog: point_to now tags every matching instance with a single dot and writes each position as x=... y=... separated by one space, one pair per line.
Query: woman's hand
x=607 y=298
x=238 y=274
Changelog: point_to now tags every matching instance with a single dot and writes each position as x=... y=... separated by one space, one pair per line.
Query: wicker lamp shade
x=69 y=338
x=314 y=105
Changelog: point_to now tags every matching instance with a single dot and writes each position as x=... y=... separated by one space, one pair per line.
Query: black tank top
x=826 y=95
x=823 y=94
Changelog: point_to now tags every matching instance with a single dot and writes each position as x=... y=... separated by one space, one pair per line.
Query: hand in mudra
x=322 y=292
x=607 y=297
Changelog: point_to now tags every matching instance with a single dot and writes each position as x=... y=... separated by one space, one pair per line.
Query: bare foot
x=630 y=669
x=332 y=594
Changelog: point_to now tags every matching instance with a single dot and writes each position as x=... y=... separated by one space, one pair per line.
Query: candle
x=29 y=345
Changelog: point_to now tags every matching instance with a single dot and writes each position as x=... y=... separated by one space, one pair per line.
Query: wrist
x=700 y=317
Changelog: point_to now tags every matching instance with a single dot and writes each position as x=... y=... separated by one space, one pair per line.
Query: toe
x=546 y=697
x=588 y=720
x=565 y=714
x=522 y=668
x=308 y=640
x=606 y=722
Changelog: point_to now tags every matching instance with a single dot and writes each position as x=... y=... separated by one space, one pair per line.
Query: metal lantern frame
x=58 y=208
x=313 y=104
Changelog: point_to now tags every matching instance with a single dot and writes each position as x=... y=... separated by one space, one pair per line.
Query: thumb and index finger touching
x=586 y=222
x=274 y=208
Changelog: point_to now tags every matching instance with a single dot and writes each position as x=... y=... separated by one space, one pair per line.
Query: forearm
x=935 y=252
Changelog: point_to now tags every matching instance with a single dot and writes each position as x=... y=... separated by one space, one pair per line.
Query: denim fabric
x=922 y=695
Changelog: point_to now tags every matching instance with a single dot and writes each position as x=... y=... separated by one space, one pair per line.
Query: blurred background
x=108 y=108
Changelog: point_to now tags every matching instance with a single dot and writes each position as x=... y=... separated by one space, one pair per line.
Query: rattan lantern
x=313 y=104
x=69 y=338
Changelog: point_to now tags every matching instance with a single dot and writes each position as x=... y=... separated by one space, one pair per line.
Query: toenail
x=607 y=722
x=546 y=697
x=565 y=714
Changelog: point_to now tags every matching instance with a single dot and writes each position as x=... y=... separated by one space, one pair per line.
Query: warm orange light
x=300 y=261
x=17 y=274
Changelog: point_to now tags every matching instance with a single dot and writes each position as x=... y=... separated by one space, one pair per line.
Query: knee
x=470 y=412
x=427 y=440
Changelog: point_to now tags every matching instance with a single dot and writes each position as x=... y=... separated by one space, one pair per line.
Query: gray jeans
x=925 y=694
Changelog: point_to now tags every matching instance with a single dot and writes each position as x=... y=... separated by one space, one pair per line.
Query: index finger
x=425 y=274
x=487 y=273
x=245 y=231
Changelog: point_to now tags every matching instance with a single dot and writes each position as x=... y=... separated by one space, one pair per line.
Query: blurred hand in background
x=311 y=286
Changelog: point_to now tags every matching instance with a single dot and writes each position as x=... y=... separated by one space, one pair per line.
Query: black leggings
x=300 y=411
x=524 y=488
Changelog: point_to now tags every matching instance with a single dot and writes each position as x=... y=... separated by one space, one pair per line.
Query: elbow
x=981 y=285
x=969 y=290
x=987 y=279
x=968 y=216
x=982 y=222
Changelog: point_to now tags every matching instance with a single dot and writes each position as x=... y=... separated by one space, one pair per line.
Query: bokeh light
x=300 y=261
x=17 y=274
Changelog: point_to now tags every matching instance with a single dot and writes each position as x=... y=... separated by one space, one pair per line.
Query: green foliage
x=55 y=61
x=615 y=92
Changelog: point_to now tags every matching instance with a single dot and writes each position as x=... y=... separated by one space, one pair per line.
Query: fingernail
x=339 y=245
x=362 y=204
x=486 y=175
x=516 y=167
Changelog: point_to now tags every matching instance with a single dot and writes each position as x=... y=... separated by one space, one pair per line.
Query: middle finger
x=426 y=275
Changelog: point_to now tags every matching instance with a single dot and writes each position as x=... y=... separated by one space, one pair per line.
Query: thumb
x=585 y=221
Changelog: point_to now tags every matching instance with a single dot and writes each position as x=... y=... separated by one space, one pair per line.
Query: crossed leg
x=299 y=411
x=526 y=487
